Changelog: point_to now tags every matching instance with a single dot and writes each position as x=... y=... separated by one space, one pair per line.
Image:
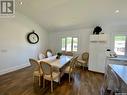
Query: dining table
x=58 y=64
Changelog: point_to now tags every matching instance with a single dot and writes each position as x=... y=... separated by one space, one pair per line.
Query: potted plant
x=58 y=55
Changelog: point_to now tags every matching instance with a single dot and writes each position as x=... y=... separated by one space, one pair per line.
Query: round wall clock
x=32 y=38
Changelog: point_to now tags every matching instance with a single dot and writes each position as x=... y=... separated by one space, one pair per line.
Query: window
x=63 y=44
x=75 y=44
x=120 y=46
x=69 y=44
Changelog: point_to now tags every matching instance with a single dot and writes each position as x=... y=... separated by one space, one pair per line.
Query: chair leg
x=51 y=86
x=33 y=79
x=69 y=77
x=43 y=83
x=83 y=67
x=39 y=80
x=59 y=79
x=111 y=93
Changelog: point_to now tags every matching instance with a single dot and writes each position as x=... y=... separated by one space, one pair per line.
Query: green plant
x=59 y=54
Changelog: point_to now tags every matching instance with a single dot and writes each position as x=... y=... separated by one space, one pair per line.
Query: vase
x=58 y=57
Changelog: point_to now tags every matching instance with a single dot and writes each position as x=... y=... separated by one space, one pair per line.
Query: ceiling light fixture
x=117 y=11
x=21 y=2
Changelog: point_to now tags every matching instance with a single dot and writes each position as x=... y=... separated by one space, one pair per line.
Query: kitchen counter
x=121 y=71
x=119 y=58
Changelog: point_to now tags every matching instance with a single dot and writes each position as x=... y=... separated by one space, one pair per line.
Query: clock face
x=32 y=38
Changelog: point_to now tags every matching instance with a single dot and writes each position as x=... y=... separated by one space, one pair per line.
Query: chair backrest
x=46 y=68
x=85 y=56
x=72 y=62
x=35 y=64
x=48 y=53
x=41 y=56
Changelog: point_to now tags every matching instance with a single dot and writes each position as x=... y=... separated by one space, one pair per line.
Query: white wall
x=14 y=48
x=82 y=34
x=117 y=30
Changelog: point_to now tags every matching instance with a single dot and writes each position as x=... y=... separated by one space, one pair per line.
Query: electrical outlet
x=3 y=50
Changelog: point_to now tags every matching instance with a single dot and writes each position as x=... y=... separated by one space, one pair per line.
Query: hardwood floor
x=21 y=83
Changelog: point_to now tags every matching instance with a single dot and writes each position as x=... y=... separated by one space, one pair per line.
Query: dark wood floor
x=21 y=83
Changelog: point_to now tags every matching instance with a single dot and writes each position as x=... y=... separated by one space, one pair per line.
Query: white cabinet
x=98 y=38
x=97 y=56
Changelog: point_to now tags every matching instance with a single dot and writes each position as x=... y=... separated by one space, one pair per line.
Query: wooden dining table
x=59 y=64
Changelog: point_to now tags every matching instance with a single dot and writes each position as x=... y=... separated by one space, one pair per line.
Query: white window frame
x=119 y=34
x=71 y=43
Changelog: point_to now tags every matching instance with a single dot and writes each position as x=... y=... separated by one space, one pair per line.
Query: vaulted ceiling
x=59 y=14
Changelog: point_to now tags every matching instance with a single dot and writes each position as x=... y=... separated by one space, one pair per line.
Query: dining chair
x=71 y=68
x=84 y=59
x=37 y=70
x=41 y=56
x=49 y=53
x=49 y=74
x=68 y=53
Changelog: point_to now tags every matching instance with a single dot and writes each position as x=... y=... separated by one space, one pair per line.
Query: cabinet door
x=93 y=57
x=101 y=58
x=97 y=57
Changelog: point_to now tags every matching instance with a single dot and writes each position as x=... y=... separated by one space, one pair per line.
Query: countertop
x=120 y=70
x=118 y=58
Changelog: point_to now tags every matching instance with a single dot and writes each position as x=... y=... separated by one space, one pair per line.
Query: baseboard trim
x=11 y=69
x=96 y=72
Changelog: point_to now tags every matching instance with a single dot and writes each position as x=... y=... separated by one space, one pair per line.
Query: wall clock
x=32 y=38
